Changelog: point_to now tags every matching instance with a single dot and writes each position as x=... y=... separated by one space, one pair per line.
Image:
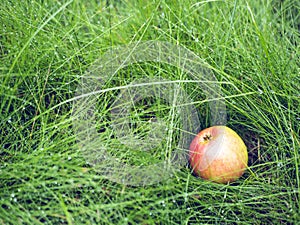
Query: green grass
x=46 y=47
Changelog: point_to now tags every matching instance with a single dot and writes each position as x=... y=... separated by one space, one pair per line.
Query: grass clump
x=46 y=48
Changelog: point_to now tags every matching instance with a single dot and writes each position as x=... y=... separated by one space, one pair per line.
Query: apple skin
x=218 y=154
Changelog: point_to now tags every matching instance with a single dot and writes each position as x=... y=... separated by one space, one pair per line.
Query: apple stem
x=207 y=137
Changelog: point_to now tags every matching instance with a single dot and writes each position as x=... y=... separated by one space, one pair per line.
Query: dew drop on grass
x=185 y=197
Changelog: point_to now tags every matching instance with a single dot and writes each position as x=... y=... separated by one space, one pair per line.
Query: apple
x=218 y=154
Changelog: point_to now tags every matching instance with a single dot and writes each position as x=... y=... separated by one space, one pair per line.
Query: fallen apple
x=218 y=154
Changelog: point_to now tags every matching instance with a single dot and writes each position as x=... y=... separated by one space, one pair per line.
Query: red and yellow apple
x=218 y=154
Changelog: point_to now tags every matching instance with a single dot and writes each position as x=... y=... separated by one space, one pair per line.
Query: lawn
x=100 y=99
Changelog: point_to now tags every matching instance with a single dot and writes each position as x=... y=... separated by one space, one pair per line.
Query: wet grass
x=47 y=47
